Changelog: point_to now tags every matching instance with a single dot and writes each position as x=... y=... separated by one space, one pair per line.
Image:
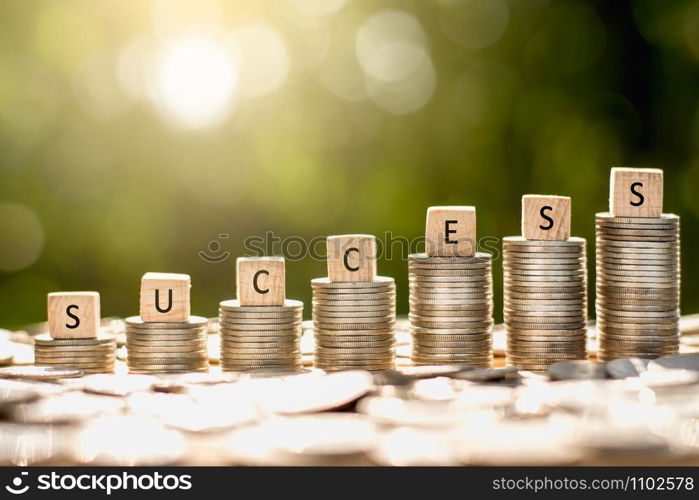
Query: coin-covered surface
x=545 y=301
x=354 y=324
x=89 y=355
x=259 y=337
x=638 y=286
x=451 y=309
x=167 y=347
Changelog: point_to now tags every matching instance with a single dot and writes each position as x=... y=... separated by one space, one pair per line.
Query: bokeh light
x=195 y=81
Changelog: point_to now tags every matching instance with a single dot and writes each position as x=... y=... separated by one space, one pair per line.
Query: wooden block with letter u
x=261 y=281
x=165 y=297
x=74 y=315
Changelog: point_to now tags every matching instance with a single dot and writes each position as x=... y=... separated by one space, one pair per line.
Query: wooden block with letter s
x=352 y=257
x=546 y=217
x=261 y=281
x=450 y=231
x=165 y=297
x=74 y=315
x=636 y=192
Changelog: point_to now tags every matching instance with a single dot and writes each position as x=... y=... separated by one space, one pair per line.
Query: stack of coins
x=638 y=286
x=257 y=337
x=545 y=301
x=176 y=347
x=354 y=323
x=451 y=309
x=91 y=355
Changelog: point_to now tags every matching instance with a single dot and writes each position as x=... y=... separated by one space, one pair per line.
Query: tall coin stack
x=74 y=339
x=451 y=292
x=354 y=310
x=545 y=287
x=451 y=309
x=165 y=338
x=262 y=329
x=638 y=270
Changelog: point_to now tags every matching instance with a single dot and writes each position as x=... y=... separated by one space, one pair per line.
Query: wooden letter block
x=450 y=231
x=165 y=297
x=74 y=315
x=261 y=281
x=636 y=192
x=352 y=257
x=545 y=217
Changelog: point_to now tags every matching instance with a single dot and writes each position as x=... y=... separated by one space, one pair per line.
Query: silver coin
x=379 y=281
x=323 y=306
x=573 y=241
x=556 y=325
x=419 y=330
x=364 y=326
x=193 y=322
x=543 y=255
x=483 y=273
x=289 y=315
x=449 y=281
x=75 y=348
x=663 y=219
x=47 y=340
x=180 y=349
x=533 y=307
x=476 y=257
x=261 y=321
x=348 y=315
x=322 y=339
x=353 y=344
x=234 y=305
x=200 y=337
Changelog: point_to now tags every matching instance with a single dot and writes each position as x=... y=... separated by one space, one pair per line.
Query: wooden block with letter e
x=74 y=315
x=450 y=231
x=261 y=281
x=545 y=217
x=636 y=192
x=352 y=257
x=165 y=297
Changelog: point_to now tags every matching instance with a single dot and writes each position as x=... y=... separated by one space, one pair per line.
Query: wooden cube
x=165 y=297
x=545 y=217
x=261 y=281
x=352 y=257
x=74 y=315
x=450 y=231
x=636 y=192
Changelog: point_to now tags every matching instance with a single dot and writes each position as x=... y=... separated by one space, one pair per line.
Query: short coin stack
x=451 y=309
x=174 y=347
x=91 y=355
x=638 y=286
x=260 y=337
x=354 y=323
x=545 y=304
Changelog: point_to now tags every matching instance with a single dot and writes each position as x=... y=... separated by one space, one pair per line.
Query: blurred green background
x=133 y=133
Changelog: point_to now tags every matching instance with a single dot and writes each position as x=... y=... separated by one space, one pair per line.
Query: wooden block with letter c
x=352 y=257
x=261 y=281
